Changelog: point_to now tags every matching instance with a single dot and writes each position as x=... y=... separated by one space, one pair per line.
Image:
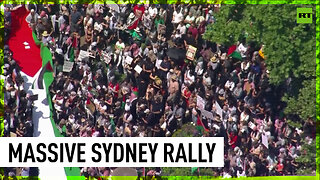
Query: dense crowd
x=131 y=78
x=17 y=107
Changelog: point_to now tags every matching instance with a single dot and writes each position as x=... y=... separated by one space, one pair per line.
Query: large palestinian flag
x=25 y=51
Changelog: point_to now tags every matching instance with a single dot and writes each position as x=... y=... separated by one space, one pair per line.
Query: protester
x=131 y=77
x=17 y=106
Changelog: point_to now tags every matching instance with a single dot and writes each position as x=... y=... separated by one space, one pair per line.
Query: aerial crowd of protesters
x=131 y=77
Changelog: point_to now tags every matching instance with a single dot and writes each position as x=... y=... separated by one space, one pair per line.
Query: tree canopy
x=289 y=49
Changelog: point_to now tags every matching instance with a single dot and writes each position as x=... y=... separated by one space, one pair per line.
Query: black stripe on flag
x=38 y=84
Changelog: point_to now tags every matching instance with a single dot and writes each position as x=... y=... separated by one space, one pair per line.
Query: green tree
x=187 y=130
x=304 y=104
x=289 y=51
x=307 y=158
x=289 y=47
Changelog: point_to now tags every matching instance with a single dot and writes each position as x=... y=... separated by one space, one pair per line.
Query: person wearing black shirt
x=164 y=68
x=156 y=109
x=108 y=34
x=189 y=40
x=147 y=69
x=144 y=79
x=75 y=19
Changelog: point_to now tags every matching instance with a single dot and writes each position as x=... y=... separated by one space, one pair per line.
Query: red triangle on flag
x=49 y=67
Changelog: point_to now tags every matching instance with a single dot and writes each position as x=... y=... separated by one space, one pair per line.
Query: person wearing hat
x=136 y=34
x=138 y=11
x=46 y=38
x=213 y=63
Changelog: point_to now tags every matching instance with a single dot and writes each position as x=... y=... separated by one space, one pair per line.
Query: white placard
x=158 y=62
x=264 y=140
x=106 y=57
x=138 y=69
x=207 y=114
x=200 y=102
x=83 y=54
x=251 y=125
x=128 y=60
x=218 y=109
x=112 y=152
x=67 y=66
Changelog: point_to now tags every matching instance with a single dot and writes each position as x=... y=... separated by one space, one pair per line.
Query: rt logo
x=304 y=15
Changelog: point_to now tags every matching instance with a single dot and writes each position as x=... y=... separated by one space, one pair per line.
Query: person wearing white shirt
x=241 y=173
x=87 y=21
x=189 y=19
x=242 y=49
x=119 y=46
x=189 y=77
x=182 y=28
x=245 y=65
x=226 y=175
x=177 y=17
x=127 y=117
x=153 y=11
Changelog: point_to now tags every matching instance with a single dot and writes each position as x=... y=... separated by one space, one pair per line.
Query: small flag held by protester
x=90 y=106
x=200 y=126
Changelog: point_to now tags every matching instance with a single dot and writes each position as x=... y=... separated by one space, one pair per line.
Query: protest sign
x=191 y=52
x=128 y=60
x=106 y=57
x=218 y=109
x=83 y=54
x=67 y=66
x=200 y=102
x=138 y=69
x=207 y=114
x=251 y=125
x=264 y=140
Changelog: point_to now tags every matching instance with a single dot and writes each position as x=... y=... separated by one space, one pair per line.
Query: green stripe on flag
x=71 y=53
